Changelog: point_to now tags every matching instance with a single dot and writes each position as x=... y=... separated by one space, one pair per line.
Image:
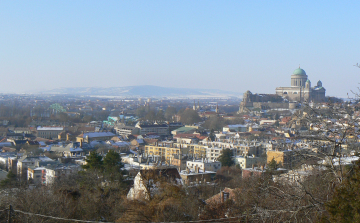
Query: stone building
x=285 y=97
x=301 y=90
x=261 y=101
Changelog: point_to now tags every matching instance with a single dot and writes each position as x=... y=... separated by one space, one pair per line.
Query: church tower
x=298 y=78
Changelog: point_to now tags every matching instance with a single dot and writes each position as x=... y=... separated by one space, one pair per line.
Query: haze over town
x=231 y=45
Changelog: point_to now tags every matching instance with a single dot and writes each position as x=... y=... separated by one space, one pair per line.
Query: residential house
x=204 y=165
x=35 y=175
x=71 y=150
x=197 y=176
x=56 y=171
x=28 y=161
x=248 y=161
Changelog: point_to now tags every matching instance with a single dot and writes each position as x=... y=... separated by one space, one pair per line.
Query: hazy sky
x=229 y=45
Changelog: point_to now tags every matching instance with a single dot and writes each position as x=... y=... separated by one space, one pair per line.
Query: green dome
x=299 y=71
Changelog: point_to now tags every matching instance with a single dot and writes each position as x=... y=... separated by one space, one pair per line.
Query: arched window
x=285 y=92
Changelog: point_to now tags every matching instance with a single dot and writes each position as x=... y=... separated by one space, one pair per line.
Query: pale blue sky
x=229 y=45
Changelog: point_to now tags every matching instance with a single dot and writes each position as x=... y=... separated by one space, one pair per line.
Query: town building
x=204 y=165
x=35 y=175
x=197 y=177
x=30 y=161
x=166 y=152
x=94 y=136
x=248 y=161
x=213 y=153
x=158 y=129
x=235 y=128
x=301 y=90
x=49 y=132
x=56 y=171
x=126 y=130
x=70 y=150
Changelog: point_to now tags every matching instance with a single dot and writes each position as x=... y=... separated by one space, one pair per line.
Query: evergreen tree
x=94 y=162
x=345 y=205
x=272 y=165
x=113 y=165
x=10 y=180
x=112 y=162
x=226 y=158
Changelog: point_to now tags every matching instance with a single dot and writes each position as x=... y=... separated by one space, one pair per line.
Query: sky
x=226 y=45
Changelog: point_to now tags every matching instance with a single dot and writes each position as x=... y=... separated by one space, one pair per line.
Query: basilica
x=301 y=90
x=285 y=97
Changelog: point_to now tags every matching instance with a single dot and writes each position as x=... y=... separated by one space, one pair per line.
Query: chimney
x=81 y=143
x=222 y=196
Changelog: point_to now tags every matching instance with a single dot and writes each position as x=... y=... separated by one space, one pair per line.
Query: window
x=226 y=196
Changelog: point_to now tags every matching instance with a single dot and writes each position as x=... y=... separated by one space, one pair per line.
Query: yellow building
x=283 y=157
x=197 y=150
x=176 y=149
x=165 y=152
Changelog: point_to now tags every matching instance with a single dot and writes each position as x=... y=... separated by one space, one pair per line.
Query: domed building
x=301 y=90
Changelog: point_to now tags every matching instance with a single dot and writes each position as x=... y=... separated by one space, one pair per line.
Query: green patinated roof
x=184 y=129
x=299 y=71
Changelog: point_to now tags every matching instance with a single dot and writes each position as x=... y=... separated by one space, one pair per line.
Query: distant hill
x=142 y=91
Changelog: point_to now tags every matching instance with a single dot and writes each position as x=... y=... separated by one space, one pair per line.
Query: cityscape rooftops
x=50 y=128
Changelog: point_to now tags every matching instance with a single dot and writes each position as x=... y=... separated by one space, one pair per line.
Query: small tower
x=319 y=84
x=194 y=106
x=217 y=108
